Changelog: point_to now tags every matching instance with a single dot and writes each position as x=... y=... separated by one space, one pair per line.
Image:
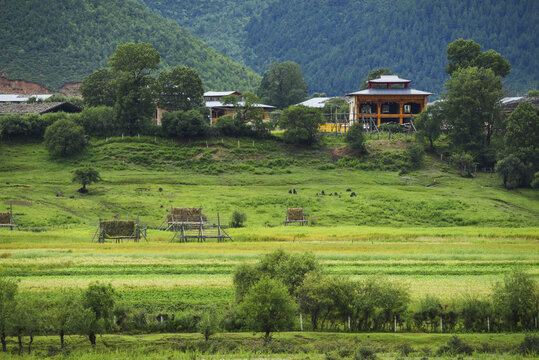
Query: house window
x=385 y=108
x=365 y=109
x=407 y=109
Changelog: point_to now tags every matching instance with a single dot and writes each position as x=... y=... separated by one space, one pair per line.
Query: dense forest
x=338 y=42
x=61 y=41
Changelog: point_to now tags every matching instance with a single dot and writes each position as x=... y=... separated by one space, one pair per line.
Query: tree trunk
x=431 y=144
x=30 y=344
x=61 y=339
x=20 y=344
x=267 y=337
x=4 y=344
x=92 y=338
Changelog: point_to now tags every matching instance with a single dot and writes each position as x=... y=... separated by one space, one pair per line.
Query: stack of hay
x=295 y=214
x=186 y=215
x=116 y=228
x=5 y=218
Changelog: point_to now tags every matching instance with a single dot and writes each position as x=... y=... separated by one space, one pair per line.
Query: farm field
x=432 y=230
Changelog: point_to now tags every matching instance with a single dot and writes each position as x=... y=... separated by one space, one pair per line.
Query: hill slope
x=61 y=41
x=338 y=42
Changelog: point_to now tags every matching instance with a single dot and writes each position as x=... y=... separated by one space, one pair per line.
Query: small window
x=366 y=109
x=385 y=108
x=407 y=109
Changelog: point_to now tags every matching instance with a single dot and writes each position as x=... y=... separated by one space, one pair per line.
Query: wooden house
x=388 y=99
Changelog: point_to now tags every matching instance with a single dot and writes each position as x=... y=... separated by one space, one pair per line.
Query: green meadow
x=434 y=231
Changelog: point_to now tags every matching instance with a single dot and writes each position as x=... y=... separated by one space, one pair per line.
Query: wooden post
x=441 y=325
x=301 y=322
x=488 y=323
x=238 y=143
x=11 y=216
x=218 y=227
x=395 y=323
x=348 y=322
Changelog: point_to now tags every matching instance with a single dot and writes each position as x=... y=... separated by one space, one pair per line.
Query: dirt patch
x=19 y=203
x=70 y=89
x=341 y=152
x=386 y=145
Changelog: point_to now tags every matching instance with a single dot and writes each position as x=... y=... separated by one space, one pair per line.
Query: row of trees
x=372 y=304
x=269 y=295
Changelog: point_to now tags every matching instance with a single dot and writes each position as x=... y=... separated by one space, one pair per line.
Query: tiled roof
x=37 y=108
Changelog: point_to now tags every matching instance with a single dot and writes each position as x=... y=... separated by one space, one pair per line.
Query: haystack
x=295 y=214
x=115 y=228
x=186 y=215
x=5 y=218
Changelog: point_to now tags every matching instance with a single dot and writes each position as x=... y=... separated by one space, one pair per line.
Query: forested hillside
x=338 y=42
x=59 y=41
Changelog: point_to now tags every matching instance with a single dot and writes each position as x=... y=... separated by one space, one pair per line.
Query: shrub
x=227 y=125
x=64 y=138
x=464 y=162
x=85 y=176
x=512 y=171
x=355 y=137
x=455 y=346
x=237 y=220
x=529 y=346
x=365 y=352
x=98 y=121
x=26 y=126
x=415 y=154
x=185 y=124
x=186 y=321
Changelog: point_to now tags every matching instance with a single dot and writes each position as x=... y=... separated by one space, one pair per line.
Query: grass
x=289 y=345
x=430 y=229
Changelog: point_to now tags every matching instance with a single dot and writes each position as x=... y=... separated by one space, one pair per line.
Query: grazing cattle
x=323 y=193
x=352 y=194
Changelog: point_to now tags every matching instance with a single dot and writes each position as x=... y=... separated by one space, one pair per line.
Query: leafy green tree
x=228 y=125
x=8 y=291
x=533 y=93
x=27 y=319
x=238 y=219
x=185 y=124
x=85 y=176
x=471 y=105
x=290 y=269
x=209 y=323
x=355 y=137
x=467 y=53
x=374 y=74
x=100 y=300
x=97 y=89
x=268 y=307
x=132 y=64
x=180 y=89
x=64 y=138
x=516 y=300
x=520 y=147
x=68 y=316
x=282 y=85
x=301 y=124
x=429 y=123
x=512 y=171
x=474 y=312
x=428 y=313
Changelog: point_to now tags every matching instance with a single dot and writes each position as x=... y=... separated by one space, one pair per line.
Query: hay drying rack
x=7 y=220
x=295 y=216
x=136 y=234
x=198 y=226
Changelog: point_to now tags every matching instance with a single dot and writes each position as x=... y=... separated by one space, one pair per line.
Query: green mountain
x=338 y=42
x=57 y=41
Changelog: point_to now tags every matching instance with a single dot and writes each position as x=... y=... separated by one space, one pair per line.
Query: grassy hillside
x=430 y=229
x=55 y=42
x=338 y=42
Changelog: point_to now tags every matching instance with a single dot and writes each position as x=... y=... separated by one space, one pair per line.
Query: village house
x=40 y=108
x=388 y=99
x=213 y=101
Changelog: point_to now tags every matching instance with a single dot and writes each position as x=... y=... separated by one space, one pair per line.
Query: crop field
x=430 y=229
